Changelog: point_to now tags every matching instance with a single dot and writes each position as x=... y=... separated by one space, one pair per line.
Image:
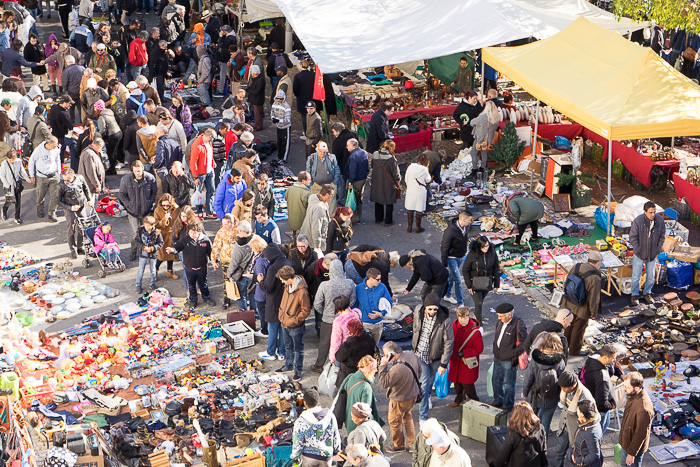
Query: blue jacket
x=368 y=300
x=5 y=39
x=331 y=163
x=81 y=38
x=12 y=59
x=357 y=167
x=226 y=195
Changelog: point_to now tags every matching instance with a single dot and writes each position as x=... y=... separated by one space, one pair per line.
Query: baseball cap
x=438 y=437
x=91 y=83
x=310 y=105
x=226 y=28
x=101 y=47
x=322 y=145
x=65 y=98
x=132 y=85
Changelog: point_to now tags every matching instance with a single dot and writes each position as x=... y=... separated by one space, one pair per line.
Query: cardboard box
x=624 y=271
x=696 y=276
x=689 y=254
x=90 y=461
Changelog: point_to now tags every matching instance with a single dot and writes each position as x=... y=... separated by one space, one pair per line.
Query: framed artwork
x=562 y=202
x=539 y=189
x=557 y=296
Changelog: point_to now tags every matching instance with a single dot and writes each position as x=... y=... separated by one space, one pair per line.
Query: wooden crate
x=159 y=459
x=255 y=460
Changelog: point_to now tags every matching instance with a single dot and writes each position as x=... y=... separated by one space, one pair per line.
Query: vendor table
x=413 y=141
x=609 y=267
x=437 y=111
x=685 y=189
x=551 y=130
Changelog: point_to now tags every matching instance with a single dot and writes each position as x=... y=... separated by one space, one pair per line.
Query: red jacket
x=229 y=140
x=138 y=55
x=198 y=157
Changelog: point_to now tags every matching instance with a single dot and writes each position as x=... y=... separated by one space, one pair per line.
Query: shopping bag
x=350 y=200
x=326 y=382
x=680 y=274
x=489 y=381
x=232 y=290
x=198 y=197
x=442 y=384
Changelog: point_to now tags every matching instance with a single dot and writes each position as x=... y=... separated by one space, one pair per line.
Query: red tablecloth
x=441 y=110
x=413 y=141
x=687 y=190
x=551 y=130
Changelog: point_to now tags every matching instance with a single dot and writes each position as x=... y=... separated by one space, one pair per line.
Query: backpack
x=280 y=61
x=575 y=287
x=214 y=55
x=545 y=386
x=140 y=110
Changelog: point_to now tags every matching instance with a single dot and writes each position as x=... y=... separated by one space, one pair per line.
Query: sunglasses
x=165 y=205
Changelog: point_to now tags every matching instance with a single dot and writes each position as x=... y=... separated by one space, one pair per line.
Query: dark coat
x=270 y=68
x=339 y=235
x=463 y=114
x=340 y=149
x=454 y=243
x=167 y=152
x=130 y=129
x=158 y=61
x=587 y=449
x=12 y=59
x=517 y=451
x=303 y=89
x=256 y=90
x=647 y=244
x=509 y=349
x=350 y=352
x=35 y=53
x=179 y=187
x=378 y=131
x=479 y=264
x=145 y=238
x=71 y=78
x=441 y=336
x=539 y=362
x=271 y=285
x=597 y=380
x=635 y=426
x=547 y=325
x=76 y=192
x=304 y=267
x=138 y=196
x=383 y=188
x=429 y=269
x=60 y=121
x=525 y=210
x=592 y=306
x=212 y=28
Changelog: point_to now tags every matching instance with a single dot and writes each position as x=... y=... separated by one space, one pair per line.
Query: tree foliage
x=509 y=149
x=669 y=14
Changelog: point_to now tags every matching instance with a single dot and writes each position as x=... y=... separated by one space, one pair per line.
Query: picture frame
x=539 y=189
x=157 y=415
x=556 y=299
x=562 y=202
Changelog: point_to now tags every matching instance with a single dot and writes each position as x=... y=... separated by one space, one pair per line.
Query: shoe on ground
x=302 y=137
x=139 y=290
x=393 y=449
x=266 y=356
x=297 y=376
x=284 y=369
x=281 y=358
x=81 y=251
x=191 y=304
x=52 y=218
x=18 y=222
x=389 y=223
x=649 y=299
x=227 y=303
x=315 y=368
x=453 y=404
x=210 y=301
x=634 y=300
x=260 y=334
x=40 y=214
x=73 y=254
x=451 y=300
x=172 y=275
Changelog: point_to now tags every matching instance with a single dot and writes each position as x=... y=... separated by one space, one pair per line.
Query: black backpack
x=545 y=386
x=575 y=286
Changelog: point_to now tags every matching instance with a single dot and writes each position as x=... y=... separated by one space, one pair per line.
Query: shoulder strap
x=34 y=130
x=396 y=185
x=415 y=377
x=467 y=339
x=351 y=388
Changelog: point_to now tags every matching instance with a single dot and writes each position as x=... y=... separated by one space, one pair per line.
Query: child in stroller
x=106 y=246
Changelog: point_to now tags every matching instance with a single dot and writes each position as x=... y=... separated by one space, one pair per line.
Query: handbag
x=396 y=185
x=19 y=186
x=232 y=290
x=340 y=404
x=481 y=282
x=471 y=362
x=690 y=54
x=28 y=146
x=415 y=377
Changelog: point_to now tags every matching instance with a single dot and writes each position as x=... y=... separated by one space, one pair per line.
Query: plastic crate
x=597 y=154
x=682 y=208
x=239 y=335
x=618 y=169
x=43 y=393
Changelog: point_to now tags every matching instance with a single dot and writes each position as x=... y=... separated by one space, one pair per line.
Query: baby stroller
x=87 y=226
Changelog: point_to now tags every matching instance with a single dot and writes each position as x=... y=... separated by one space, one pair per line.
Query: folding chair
x=673 y=215
x=617 y=196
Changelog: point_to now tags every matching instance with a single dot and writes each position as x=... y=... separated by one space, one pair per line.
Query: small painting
x=562 y=202
x=539 y=189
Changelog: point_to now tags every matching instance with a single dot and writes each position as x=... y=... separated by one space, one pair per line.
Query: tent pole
x=673 y=141
x=609 y=182
x=325 y=116
x=287 y=36
x=483 y=80
x=533 y=149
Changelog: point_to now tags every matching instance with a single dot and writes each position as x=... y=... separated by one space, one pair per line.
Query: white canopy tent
x=357 y=34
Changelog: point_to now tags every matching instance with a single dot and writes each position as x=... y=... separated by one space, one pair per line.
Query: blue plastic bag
x=442 y=384
x=680 y=274
x=601 y=218
x=350 y=200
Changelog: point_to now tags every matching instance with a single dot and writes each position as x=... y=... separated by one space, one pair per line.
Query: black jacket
x=350 y=352
x=339 y=235
x=130 y=129
x=271 y=285
x=517 y=451
x=509 y=349
x=138 y=196
x=541 y=361
x=179 y=187
x=378 y=131
x=35 y=53
x=304 y=267
x=224 y=42
x=76 y=192
x=465 y=109
x=212 y=28
x=340 y=149
x=256 y=90
x=60 y=121
x=145 y=238
x=303 y=89
x=454 y=242
x=547 y=325
x=158 y=61
x=195 y=253
x=428 y=268
x=270 y=69
x=479 y=264
x=647 y=243
x=598 y=382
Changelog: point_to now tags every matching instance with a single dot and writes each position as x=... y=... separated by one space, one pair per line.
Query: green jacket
x=363 y=392
x=525 y=210
x=297 y=197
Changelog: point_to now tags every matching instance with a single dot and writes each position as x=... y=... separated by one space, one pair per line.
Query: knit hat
x=504 y=308
x=567 y=379
x=594 y=256
x=91 y=83
x=6 y=101
x=403 y=261
x=361 y=410
x=100 y=105
x=431 y=300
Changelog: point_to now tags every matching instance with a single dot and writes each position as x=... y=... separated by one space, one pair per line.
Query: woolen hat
x=361 y=410
x=594 y=256
x=567 y=379
x=403 y=261
x=504 y=308
x=431 y=300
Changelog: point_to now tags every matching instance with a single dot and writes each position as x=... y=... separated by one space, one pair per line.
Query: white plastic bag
x=73 y=19
x=326 y=382
x=198 y=197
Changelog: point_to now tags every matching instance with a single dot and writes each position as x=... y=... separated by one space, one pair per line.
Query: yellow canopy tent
x=606 y=83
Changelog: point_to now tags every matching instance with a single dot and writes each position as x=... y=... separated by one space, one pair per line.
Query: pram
x=87 y=226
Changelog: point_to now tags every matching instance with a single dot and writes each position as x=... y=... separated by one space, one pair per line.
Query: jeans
x=650 y=266
x=637 y=462
x=604 y=420
x=152 y=269
x=207 y=181
x=342 y=190
x=184 y=276
x=454 y=265
x=504 y=383
x=562 y=456
x=426 y=380
x=275 y=339
x=294 y=344
x=260 y=314
x=546 y=416
x=34 y=12
x=136 y=70
x=203 y=89
x=110 y=254
x=242 y=288
x=197 y=278
x=478 y=296
x=437 y=289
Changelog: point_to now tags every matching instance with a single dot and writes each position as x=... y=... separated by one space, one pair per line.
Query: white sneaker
x=302 y=137
x=265 y=356
x=450 y=300
x=281 y=358
x=260 y=334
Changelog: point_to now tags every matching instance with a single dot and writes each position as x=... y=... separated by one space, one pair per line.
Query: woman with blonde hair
x=166 y=214
x=540 y=386
x=358 y=385
x=525 y=444
x=484 y=127
x=386 y=181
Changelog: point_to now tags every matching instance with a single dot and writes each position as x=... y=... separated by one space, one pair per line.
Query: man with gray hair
x=146 y=88
x=356 y=170
x=446 y=453
x=44 y=168
x=241 y=256
x=91 y=167
x=256 y=95
x=421 y=453
x=167 y=152
x=340 y=149
x=359 y=456
x=71 y=79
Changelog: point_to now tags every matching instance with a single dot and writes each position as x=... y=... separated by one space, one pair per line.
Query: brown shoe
x=454 y=404
x=172 y=275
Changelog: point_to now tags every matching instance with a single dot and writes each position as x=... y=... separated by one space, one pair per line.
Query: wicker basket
x=682 y=208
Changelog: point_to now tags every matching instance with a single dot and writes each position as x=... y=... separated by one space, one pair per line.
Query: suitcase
x=495 y=435
x=477 y=417
x=248 y=316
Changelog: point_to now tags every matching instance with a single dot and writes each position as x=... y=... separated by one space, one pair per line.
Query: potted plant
x=573 y=182
x=508 y=149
